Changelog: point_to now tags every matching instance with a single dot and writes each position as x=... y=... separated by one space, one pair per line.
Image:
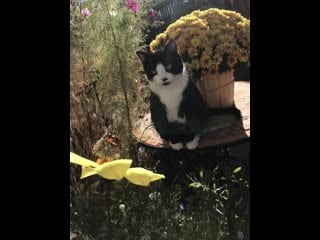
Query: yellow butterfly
x=116 y=170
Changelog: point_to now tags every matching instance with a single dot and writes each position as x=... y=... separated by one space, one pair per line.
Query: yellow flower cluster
x=212 y=40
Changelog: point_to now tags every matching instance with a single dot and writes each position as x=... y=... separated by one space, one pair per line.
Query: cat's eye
x=168 y=67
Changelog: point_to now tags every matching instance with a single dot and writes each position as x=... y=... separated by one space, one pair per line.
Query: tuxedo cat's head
x=163 y=66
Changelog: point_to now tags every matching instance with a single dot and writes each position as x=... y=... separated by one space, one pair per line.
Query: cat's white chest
x=171 y=96
x=172 y=101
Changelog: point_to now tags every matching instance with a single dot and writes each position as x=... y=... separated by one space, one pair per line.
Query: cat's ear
x=171 y=45
x=142 y=55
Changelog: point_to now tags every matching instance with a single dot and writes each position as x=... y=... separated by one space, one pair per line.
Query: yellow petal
x=76 y=159
x=114 y=170
x=157 y=176
x=87 y=172
x=141 y=176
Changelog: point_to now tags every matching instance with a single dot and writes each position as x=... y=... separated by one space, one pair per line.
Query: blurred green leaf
x=195 y=185
x=94 y=185
x=217 y=209
x=201 y=173
x=238 y=169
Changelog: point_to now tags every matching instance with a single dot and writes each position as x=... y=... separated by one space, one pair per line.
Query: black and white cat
x=178 y=110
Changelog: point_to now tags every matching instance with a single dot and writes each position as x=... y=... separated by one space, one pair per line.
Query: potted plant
x=210 y=42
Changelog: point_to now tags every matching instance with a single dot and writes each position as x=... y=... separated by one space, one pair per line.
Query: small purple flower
x=152 y=13
x=85 y=12
x=181 y=206
x=129 y=3
x=133 y=5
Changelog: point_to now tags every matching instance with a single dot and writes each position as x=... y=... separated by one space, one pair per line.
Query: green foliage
x=216 y=209
x=104 y=69
x=147 y=213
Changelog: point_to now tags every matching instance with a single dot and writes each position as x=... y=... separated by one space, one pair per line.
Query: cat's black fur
x=194 y=110
x=192 y=105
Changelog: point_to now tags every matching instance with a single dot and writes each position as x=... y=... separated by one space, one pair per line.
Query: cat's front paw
x=193 y=144
x=176 y=146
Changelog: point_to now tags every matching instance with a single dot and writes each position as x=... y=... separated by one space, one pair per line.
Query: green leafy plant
x=104 y=71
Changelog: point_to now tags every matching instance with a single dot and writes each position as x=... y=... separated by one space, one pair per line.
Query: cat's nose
x=164 y=79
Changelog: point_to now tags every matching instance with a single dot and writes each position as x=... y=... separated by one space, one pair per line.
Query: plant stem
x=99 y=104
x=123 y=80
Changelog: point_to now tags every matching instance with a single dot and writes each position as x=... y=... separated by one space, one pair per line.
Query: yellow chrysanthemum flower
x=216 y=60
x=195 y=65
x=176 y=34
x=204 y=37
x=195 y=42
x=232 y=60
x=243 y=55
x=193 y=52
x=154 y=45
x=206 y=61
